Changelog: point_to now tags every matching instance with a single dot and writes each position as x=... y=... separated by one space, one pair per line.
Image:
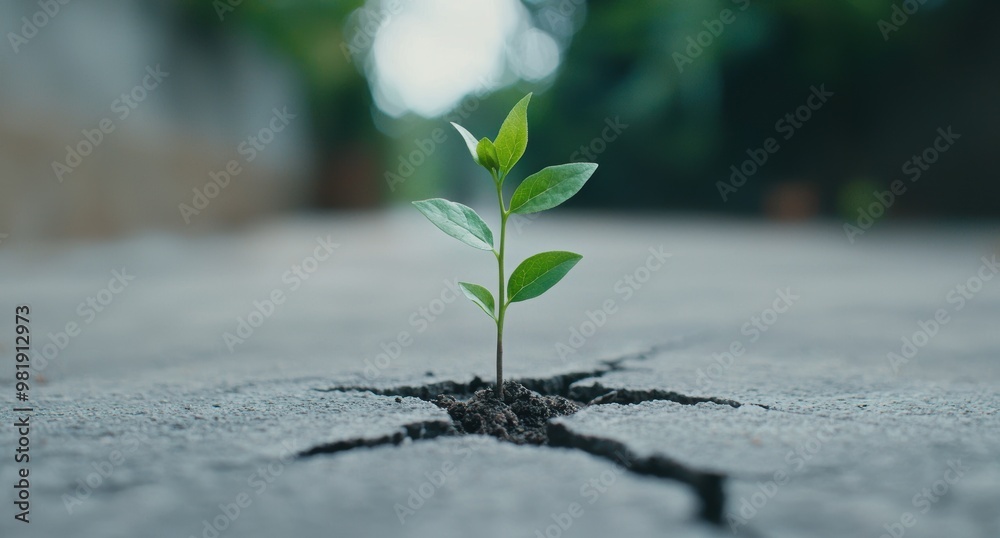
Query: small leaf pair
x=538 y=192
x=533 y=277
x=499 y=157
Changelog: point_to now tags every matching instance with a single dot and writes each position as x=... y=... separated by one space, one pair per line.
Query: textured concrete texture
x=756 y=352
x=793 y=473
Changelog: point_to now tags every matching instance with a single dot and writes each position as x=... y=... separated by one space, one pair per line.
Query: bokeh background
x=372 y=86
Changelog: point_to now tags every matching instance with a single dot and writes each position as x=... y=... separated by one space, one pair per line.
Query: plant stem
x=501 y=297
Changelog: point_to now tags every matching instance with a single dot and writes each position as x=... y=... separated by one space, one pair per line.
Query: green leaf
x=481 y=296
x=458 y=221
x=470 y=141
x=550 y=187
x=539 y=273
x=487 y=154
x=513 y=136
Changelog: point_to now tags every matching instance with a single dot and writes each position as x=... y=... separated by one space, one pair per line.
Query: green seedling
x=538 y=192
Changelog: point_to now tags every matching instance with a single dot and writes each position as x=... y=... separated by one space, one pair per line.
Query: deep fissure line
x=558 y=385
x=598 y=394
x=429 y=429
x=707 y=486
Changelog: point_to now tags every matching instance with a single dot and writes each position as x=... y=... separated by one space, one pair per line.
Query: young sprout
x=540 y=191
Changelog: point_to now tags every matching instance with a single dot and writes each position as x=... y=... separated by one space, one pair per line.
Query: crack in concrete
x=557 y=385
x=707 y=486
x=428 y=429
x=426 y=392
x=598 y=394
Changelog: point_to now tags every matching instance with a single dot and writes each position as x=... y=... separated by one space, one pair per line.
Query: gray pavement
x=177 y=420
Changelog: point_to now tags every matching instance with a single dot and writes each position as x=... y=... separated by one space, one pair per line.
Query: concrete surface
x=152 y=377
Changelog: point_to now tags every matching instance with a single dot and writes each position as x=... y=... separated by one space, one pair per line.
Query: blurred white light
x=432 y=53
x=537 y=55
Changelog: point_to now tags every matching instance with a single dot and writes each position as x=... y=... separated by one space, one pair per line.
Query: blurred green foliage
x=685 y=128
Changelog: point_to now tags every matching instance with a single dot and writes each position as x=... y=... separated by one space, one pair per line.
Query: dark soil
x=521 y=417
